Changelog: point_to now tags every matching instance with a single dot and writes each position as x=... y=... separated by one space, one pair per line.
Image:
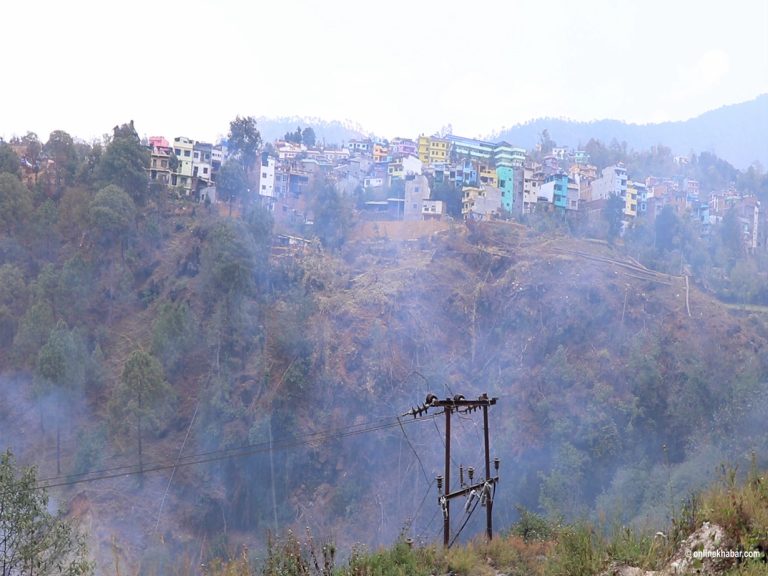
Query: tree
x=613 y=212
x=308 y=137
x=61 y=149
x=9 y=161
x=231 y=183
x=61 y=366
x=332 y=216
x=113 y=214
x=35 y=541
x=15 y=203
x=667 y=228
x=143 y=394
x=124 y=163
x=244 y=141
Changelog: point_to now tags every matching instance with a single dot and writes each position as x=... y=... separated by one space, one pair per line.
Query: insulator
x=461 y=475
x=471 y=472
x=440 y=484
x=496 y=464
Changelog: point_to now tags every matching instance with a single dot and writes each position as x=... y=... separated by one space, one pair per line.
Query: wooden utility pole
x=484 y=489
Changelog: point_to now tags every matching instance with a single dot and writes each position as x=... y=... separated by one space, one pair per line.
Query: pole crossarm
x=467 y=489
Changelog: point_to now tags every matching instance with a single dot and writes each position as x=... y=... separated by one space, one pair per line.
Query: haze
x=396 y=68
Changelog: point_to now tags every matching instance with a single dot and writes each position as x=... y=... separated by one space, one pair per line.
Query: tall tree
x=35 y=541
x=613 y=212
x=113 y=214
x=9 y=161
x=15 y=203
x=61 y=149
x=61 y=369
x=332 y=216
x=308 y=137
x=143 y=395
x=124 y=163
x=231 y=183
x=244 y=141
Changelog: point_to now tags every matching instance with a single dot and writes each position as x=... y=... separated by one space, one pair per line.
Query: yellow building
x=487 y=175
x=630 y=200
x=433 y=150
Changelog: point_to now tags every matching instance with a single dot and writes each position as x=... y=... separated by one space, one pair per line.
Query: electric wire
x=468 y=516
x=423 y=470
x=321 y=437
x=195 y=455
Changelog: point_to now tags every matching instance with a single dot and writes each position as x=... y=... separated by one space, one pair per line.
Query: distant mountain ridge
x=737 y=133
x=332 y=132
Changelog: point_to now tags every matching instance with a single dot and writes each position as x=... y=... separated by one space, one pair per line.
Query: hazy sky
x=400 y=68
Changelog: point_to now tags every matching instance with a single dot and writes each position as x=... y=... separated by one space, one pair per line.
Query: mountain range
x=736 y=133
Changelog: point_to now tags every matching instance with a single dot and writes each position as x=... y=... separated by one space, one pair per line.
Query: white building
x=613 y=181
x=267 y=176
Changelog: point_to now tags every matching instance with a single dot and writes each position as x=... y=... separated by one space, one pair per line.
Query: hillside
x=734 y=133
x=612 y=380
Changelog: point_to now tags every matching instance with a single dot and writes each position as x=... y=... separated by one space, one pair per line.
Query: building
x=202 y=169
x=380 y=152
x=433 y=150
x=612 y=181
x=470 y=148
x=404 y=166
x=554 y=190
x=416 y=192
x=159 y=160
x=432 y=209
x=267 y=176
x=505 y=177
x=403 y=147
x=487 y=175
x=480 y=202
x=183 y=149
x=506 y=155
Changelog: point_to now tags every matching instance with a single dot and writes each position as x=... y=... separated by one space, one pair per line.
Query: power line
x=320 y=437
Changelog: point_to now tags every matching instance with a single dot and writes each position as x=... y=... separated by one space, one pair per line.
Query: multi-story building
x=267 y=176
x=470 y=148
x=554 y=190
x=416 y=192
x=630 y=200
x=505 y=177
x=183 y=148
x=202 y=169
x=380 y=152
x=506 y=155
x=434 y=150
x=533 y=176
x=360 y=146
x=487 y=175
x=403 y=146
x=613 y=181
x=480 y=202
x=159 y=162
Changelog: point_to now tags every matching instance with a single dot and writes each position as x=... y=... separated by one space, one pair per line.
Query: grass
x=540 y=547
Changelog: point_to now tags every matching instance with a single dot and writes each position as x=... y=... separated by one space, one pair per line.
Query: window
x=186 y=153
x=205 y=170
x=263 y=186
x=177 y=151
x=263 y=174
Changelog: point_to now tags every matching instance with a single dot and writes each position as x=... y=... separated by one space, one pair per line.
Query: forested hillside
x=186 y=385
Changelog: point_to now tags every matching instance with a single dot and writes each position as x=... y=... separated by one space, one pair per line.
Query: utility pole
x=484 y=489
